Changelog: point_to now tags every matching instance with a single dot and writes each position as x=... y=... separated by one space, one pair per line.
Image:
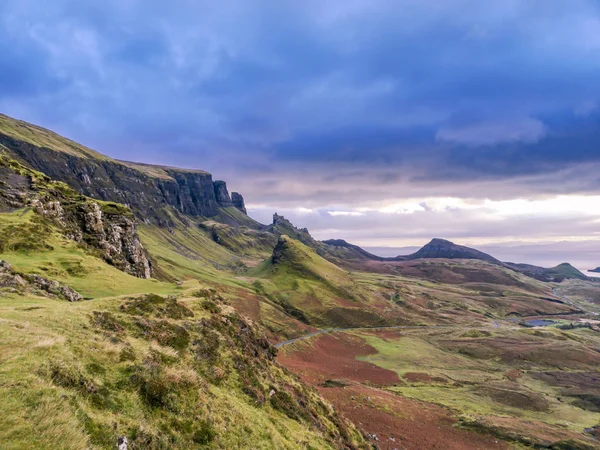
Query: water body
x=540 y=322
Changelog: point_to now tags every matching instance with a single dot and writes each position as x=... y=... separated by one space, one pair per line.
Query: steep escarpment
x=108 y=229
x=154 y=193
x=238 y=201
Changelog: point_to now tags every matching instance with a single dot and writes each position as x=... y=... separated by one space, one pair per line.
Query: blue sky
x=316 y=107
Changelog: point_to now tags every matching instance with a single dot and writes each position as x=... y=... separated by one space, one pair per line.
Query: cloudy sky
x=384 y=123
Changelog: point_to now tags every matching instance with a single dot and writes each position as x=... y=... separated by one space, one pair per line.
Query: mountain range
x=143 y=307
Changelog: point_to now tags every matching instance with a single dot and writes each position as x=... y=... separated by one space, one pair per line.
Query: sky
x=382 y=123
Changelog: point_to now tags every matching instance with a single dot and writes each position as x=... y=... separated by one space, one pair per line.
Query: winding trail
x=578 y=305
x=562 y=297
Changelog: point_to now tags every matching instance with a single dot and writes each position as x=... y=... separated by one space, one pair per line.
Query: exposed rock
x=189 y=192
x=117 y=236
x=238 y=201
x=54 y=287
x=279 y=252
x=24 y=282
x=282 y=226
x=110 y=228
x=122 y=443
x=221 y=194
x=10 y=279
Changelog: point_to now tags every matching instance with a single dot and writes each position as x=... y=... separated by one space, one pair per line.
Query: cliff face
x=152 y=192
x=188 y=192
x=108 y=228
x=221 y=194
x=238 y=201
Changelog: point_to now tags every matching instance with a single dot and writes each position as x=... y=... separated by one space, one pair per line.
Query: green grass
x=63 y=260
x=476 y=387
x=187 y=252
x=70 y=381
x=42 y=137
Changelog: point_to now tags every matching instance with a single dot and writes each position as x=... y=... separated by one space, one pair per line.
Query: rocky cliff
x=238 y=202
x=154 y=193
x=108 y=228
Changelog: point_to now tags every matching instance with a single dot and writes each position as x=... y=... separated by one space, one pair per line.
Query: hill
x=174 y=345
x=558 y=273
x=441 y=248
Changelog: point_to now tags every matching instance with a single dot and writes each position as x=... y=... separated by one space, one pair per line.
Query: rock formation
x=238 y=201
x=150 y=191
x=20 y=283
x=221 y=194
x=109 y=227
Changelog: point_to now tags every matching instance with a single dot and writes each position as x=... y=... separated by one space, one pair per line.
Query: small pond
x=540 y=322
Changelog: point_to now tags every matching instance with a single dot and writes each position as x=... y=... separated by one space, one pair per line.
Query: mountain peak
x=442 y=248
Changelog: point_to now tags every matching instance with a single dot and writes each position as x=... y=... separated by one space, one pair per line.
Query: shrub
x=211 y=306
x=70 y=376
x=165 y=333
x=107 y=321
x=283 y=401
x=205 y=433
x=154 y=387
x=152 y=304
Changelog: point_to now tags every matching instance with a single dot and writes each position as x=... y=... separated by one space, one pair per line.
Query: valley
x=196 y=326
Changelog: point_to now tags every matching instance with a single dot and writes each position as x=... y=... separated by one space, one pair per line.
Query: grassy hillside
x=292 y=258
x=164 y=373
x=564 y=271
x=316 y=291
x=41 y=137
x=31 y=245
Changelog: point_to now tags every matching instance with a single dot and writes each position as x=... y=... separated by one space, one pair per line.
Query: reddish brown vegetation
x=393 y=421
x=334 y=356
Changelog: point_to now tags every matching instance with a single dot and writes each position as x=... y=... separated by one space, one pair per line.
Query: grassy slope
x=83 y=382
x=42 y=137
x=78 y=369
x=298 y=260
x=63 y=260
x=314 y=289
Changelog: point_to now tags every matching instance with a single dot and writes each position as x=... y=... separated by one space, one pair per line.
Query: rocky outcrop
x=221 y=194
x=20 y=283
x=238 y=201
x=281 y=226
x=108 y=227
x=150 y=191
x=116 y=235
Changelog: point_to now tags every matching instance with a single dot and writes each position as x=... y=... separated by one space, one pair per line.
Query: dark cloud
x=316 y=104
